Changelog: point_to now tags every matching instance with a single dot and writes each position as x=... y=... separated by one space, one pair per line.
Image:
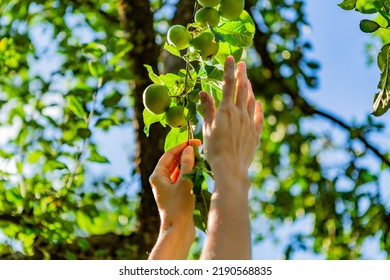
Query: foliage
x=67 y=74
x=381 y=25
x=231 y=36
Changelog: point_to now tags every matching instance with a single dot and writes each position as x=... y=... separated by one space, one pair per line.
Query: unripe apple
x=179 y=37
x=231 y=9
x=175 y=116
x=156 y=99
x=206 y=45
x=206 y=16
x=209 y=3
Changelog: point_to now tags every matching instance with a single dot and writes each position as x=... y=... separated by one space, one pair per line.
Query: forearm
x=228 y=224
x=173 y=243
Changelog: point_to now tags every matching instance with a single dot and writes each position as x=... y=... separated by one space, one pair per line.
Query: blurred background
x=74 y=183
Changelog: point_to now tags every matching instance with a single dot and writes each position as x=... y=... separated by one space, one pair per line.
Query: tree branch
x=11 y=218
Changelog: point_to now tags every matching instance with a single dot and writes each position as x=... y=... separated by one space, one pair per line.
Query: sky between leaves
x=346 y=87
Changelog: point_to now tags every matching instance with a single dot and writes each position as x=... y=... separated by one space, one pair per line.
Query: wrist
x=234 y=175
x=184 y=228
x=228 y=167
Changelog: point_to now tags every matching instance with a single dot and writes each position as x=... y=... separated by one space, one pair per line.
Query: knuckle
x=153 y=178
x=229 y=80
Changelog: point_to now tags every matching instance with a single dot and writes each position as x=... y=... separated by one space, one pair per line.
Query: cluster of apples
x=207 y=16
x=156 y=97
x=157 y=101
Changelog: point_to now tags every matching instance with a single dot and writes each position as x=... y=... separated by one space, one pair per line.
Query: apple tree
x=74 y=69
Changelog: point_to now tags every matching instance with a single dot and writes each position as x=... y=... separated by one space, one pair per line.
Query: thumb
x=187 y=161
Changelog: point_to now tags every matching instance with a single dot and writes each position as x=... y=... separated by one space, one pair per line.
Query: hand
x=232 y=134
x=172 y=192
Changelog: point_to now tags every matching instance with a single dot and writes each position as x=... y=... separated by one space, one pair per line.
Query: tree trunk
x=137 y=21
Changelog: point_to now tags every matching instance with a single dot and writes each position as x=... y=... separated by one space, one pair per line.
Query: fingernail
x=242 y=65
x=188 y=150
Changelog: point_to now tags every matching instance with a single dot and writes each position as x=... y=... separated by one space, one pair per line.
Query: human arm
x=175 y=201
x=231 y=137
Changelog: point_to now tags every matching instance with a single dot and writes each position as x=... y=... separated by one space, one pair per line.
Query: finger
x=208 y=107
x=167 y=166
x=228 y=82
x=258 y=119
x=251 y=101
x=177 y=158
x=242 y=87
x=168 y=158
x=187 y=161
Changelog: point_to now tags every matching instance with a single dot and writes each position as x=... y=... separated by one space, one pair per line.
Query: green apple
x=206 y=16
x=209 y=3
x=156 y=99
x=206 y=45
x=175 y=116
x=231 y=9
x=179 y=37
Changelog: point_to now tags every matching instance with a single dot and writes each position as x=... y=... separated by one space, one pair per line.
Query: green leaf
x=152 y=75
x=84 y=133
x=76 y=107
x=122 y=47
x=150 y=119
x=238 y=32
x=382 y=99
x=94 y=50
x=214 y=89
x=34 y=156
x=202 y=204
x=381 y=103
x=172 y=49
x=175 y=137
x=369 y=26
x=96 y=157
x=83 y=220
x=5 y=155
x=112 y=99
x=83 y=243
x=51 y=165
x=225 y=50
x=202 y=195
x=96 y=68
x=385 y=16
x=19 y=167
x=368 y=6
x=191 y=115
x=170 y=80
x=213 y=72
x=105 y=123
x=348 y=4
x=383 y=64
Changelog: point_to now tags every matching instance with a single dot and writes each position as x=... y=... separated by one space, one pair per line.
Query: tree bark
x=137 y=21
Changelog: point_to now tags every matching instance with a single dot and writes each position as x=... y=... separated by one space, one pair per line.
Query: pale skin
x=231 y=136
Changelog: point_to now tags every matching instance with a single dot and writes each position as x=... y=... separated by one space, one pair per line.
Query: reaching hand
x=231 y=136
x=232 y=133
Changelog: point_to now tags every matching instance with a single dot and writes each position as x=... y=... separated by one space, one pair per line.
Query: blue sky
x=347 y=87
